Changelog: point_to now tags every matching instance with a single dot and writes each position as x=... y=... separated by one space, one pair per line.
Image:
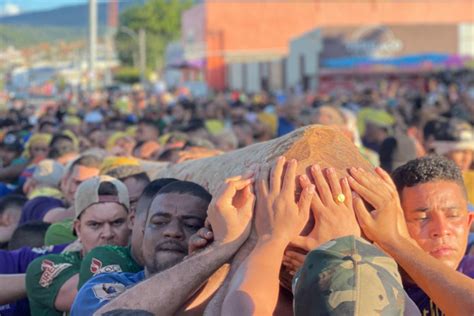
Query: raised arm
x=255 y=287
x=333 y=219
x=230 y=215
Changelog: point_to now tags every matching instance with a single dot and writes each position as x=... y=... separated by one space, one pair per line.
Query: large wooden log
x=308 y=145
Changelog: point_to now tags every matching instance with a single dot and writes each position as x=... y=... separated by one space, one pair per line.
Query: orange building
x=216 y=33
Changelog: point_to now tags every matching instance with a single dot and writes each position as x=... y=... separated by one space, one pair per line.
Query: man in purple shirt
x=15 y=262
x=423 y=301
x=421 y=220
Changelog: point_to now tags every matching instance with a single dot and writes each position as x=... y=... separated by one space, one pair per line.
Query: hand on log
x=277 y=214
x=332 y=209
x=231 y=209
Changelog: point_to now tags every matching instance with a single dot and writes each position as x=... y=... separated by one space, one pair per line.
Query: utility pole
x=112 y=24
x=92 y=42
x=142 y=53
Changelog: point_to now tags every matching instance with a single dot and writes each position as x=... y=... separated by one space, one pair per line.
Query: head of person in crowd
x=414 y=130
x=375 y=133
x=225 y=140
x=329 y=272
x=93 y=120
x=147 y=130
x=195 y=129
x=214 y=110
x=10 y=213
x=430 y=129
x=328 y=115
x=455 y=140
x=101 y=206
x=345 y=120
x=62 y=148
x=76 y=172
x=116 y=124
x=396 y=151
x=174 y=140
x=37 y=147
x=265 y=127
x=84 y=143
x=243 y=132
x=137 y=220
x=48 y=127
x=147 y=150
x=45 y=180
x=97 y=138
x=169 y=155
x=175 y=213
x=434 y=200
x=129 y=171
x=28 y=235
x=291 y=109
x=72 y=123
x=10 y=149
x=179 y=114
x=121 y=144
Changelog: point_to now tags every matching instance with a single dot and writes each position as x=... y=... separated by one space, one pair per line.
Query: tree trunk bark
x=308 y=145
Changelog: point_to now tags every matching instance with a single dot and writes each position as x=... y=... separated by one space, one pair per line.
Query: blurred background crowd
x=391 y=124
x=127 y=88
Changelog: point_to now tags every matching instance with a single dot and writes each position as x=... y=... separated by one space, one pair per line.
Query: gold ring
x=340 y=198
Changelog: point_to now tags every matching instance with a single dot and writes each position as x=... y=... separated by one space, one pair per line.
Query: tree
x=161 y=20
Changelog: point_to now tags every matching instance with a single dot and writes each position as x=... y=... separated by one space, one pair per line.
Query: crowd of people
x=85 y=230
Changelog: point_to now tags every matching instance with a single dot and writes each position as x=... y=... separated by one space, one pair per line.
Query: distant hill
x=21 y=36
x=61 y=24
x=75 y=16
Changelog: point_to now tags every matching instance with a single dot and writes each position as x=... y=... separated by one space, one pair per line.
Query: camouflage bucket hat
x=348 y=276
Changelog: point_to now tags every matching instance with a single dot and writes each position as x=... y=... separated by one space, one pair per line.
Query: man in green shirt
x=101 y=207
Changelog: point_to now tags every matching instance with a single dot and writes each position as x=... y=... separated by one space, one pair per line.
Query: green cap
x=348 y=276
x=59 y=233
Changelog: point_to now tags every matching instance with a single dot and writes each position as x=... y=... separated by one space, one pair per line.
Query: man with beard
x=176 y=212
x=107 y=259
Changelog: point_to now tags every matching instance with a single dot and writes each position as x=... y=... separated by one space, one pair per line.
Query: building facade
x=245 y=43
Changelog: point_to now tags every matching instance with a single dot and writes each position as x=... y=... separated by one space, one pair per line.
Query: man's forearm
x=13 y=288
x=450 y=290
x=214 y=307
x=165 y=292
x=66 y=295
x=255 y=286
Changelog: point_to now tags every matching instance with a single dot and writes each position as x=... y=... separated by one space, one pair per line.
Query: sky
x=13 y=7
